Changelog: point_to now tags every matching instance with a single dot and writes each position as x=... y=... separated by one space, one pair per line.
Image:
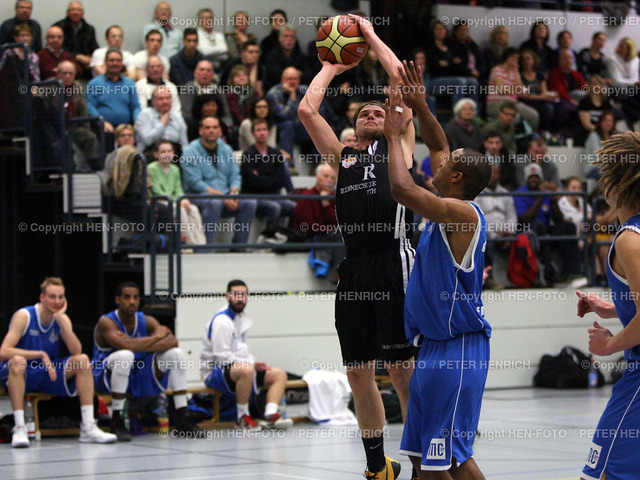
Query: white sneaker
x=19 y=439
x=276 y=421
x=92 y=434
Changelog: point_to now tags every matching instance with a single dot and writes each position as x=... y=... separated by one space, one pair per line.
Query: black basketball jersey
x=369 y=217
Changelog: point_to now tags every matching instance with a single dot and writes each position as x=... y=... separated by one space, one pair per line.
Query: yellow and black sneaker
x=390 y=471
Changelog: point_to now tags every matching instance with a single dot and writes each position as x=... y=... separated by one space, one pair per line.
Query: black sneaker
x=186 y=425
x=118 y=428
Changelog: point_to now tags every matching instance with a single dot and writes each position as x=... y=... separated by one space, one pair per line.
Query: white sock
x=270 y=409
x=117 y=404
x=180 y=400
x=243 y=409
x=87 y=414
x=18 y=417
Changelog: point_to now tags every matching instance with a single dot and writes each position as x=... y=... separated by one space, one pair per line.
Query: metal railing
x=24 y=92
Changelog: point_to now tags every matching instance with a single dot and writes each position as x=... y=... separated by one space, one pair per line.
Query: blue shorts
x=445 y=396
x=616 y=444
x=142 y=379
x=220 y=379
x=37 y=378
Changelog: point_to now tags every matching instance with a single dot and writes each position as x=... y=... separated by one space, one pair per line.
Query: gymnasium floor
x=525 y=434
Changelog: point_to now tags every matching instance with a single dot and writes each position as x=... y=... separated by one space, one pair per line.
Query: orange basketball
x=340 y=40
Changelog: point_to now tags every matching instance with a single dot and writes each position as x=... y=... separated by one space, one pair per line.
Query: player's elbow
x=305 y=110
x=400 y=192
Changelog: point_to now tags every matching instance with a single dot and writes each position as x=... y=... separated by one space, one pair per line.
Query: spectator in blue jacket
x=208 y=167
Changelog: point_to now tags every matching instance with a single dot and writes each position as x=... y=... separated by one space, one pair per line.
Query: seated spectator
x=284 y=99
x=155 y=78
x=447 y=72
x=153 y=44
x=564 y=41
x=537 y=214
x=239 y=35
x=493 y=148
x=283 y=56
x=316 y=220
x=79 y=37
x=463 y=131
x=500 y=214
x=113 y=96
x=208 y=166
x=87 y=147
x=346 y=120
x=277 y=19
x=125 y=137
x=52 y=54
x=185 y=61
x=573 y=207
x=464 y=48
x=23 y=10
x=240 y=96
x=33 y=362
x=420 y=61
x=171 y=36
x=370 y=78
x=569 y=84
x=537 y=153
x=203 y=83
x=211 y=44
x=264 y=171
x=260 y=109
x=591 y=60
x=164 y=179
x=159 y=122
x=505 y=125
x=207 y=105
x=134 y=354
x=536 y=94
x=622 y=69
x=249 y=55
x=498 y=42
x=505 y=84
x=227 y=365
x=592 y=106
x=348 y=138
x=538 y=39
x=16 y=56
x=115 y=37
x=605 y=128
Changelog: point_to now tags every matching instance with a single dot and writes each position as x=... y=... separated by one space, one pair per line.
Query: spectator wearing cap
x=23 y=10
x=537 y=153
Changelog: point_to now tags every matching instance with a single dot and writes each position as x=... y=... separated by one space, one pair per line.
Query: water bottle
x=30 y=418
x=593 y=375
x=125 y=414
x=162 y=411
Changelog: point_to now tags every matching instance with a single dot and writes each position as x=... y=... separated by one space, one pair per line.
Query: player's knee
x=245 y=371
x=359 y=377
x=121 y=361
x=18 y=365
x=79 y=362
x=279 y=375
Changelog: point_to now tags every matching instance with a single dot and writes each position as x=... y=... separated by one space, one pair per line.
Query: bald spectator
x=86 y=146
x=159 y=122
x=113 y=96
x=171 y=37
x=51 y=56
x=79 y=37
x=185 y=61
x=153 y=44
x=203 y=83
x=283 y=56
x=211 y=44
x=115 y=37
x=154 y=78
x=249 y=56
x=23 y=17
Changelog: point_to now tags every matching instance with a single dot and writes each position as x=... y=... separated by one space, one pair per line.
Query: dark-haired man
x=184 y=62
x=23 y=17
x=444 y=315
x=226 y=364
x=133 y=354
x=114 y=36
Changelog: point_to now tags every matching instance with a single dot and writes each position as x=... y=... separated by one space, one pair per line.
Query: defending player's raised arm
x=413 y=95
x=601 y=342
x=319 y=130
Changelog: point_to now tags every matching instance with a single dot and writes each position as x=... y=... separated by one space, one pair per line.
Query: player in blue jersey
x=31 y=362
x=615 y=451
x=444 y=315
x=133 y=354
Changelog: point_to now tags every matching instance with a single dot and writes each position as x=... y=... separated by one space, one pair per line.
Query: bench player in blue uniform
x=615 y=451
x=31 y=362
x=444 y=315
x=133 y=354
x=374 y=273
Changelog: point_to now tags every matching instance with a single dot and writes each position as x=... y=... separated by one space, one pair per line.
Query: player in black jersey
x=376 y=231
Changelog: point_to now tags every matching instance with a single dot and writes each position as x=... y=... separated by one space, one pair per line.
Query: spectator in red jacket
x=569 y=84
x=51 y=56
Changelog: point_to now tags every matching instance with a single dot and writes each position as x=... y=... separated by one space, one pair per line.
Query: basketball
x=340 y=40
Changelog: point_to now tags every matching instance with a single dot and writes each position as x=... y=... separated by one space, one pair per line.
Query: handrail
x=27 y=105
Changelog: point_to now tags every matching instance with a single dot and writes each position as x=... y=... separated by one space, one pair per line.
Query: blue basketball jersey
x=140 y=330
x=622 y=297
x=444 y=298
x=40 y=337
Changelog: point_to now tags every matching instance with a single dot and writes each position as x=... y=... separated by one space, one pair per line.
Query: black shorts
x=259 y=380
x=370 y=306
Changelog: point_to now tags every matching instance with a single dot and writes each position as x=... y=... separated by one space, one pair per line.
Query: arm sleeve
x=221 y=337
x=191 y=174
